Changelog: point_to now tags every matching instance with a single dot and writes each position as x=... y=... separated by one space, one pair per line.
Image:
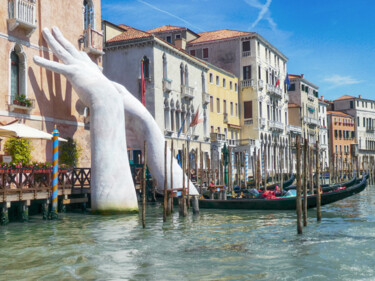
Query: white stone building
x=323 y=133
x=176 y=84
x=364 y=112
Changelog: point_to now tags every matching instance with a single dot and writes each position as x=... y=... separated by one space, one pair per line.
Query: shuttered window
x=248 y=109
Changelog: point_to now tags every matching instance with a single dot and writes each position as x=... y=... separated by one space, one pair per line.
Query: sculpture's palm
x=111 y=180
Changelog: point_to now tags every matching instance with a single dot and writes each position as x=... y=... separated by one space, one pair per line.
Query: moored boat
x=283 y=203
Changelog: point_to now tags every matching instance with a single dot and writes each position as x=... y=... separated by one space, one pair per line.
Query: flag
x=197 y=119
x=182 y=126
x=287 y=82
x=278 y=80
x=143 y=86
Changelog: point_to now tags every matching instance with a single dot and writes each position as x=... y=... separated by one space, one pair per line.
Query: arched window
x=88 y=14
x=167 y=124
x=17 y=72
x=186 y=76
x=146 y=67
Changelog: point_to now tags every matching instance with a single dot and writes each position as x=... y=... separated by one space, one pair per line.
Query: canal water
x=216 y=245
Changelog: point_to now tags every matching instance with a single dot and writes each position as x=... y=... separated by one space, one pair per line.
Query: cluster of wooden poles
x=307 y=177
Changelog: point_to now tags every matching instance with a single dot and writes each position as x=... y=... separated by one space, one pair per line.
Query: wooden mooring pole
x=298 y=202
x=144 y=186
x=165 y=182
x=305 y=182
x=318 y=195
x=170 y=199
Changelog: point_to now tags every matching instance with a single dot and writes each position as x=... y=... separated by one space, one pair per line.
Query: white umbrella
x=23 y=131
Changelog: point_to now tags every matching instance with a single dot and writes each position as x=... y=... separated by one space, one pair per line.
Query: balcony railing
x=22 y=15
x=167 y=85
x=276 y=125
x=248 y=122
x=217 y=137
x=247 y=83
x=276 y=91
x=310 y=96
x=187 y=92
x=311 y=121
x=294 y=129
x=370 y=129
x=262 y=122
x=205 y=98
x=93 y=42
x=246 y=54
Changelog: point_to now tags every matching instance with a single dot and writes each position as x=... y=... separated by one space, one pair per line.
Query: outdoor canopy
x=23 y=131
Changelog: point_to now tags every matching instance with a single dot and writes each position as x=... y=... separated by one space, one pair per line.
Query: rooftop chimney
x=180 y=43
x=302 y=75
x=322 y=97
x=359 y=96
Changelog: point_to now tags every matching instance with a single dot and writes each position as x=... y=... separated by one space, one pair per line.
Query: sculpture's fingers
x=53 y=66
x=57 y=49
x=86 y=58
x=65 y=43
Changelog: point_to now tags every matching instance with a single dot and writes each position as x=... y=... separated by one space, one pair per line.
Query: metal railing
x=246 y=54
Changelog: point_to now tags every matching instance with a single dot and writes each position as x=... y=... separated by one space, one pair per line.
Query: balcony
x=22 y=15
x=246 y=54
x=311 y=121
x=275 y=125
x=167 y=85
x=21 y=104
x=93 y=42
x=247 y=83
x=217 y=137
x=260 y=84
x=275 y=91
x=262 y=122
x=370 y=129
x=205 y=98
x=187 y=92
x=225 y=117
x=294 y=129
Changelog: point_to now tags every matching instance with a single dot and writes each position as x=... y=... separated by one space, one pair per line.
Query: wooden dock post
x=255 y=168
x=201 y=168
x=311 y=161
x=230 y=182
x=45 y=209
x=298 y=202
x=305 y=182
x=183 y=207
x=265 y=168
x=165 y=182
x=188 y=173
x=318 y=195
x=258 y=170
x=170 y=198
x=281 y=154
x=144 y=185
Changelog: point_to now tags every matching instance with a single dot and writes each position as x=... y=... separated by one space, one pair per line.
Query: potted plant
x=22 y=100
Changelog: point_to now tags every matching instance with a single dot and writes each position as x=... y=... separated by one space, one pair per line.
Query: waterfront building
x=342 y=139
x=175 y=84
x=305 y=94
x=323 y=133
x=51 y=99
x=294 y=129
x=224 y=114
x=363 y=111
x=263 y=106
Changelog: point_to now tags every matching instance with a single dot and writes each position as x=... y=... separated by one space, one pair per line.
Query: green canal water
x=216 y=245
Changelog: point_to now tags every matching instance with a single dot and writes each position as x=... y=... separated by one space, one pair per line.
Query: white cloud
x=339 y=80
x=264 y=13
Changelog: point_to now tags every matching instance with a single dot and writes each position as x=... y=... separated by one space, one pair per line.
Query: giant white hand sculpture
x=141 y=125
x=112 y=187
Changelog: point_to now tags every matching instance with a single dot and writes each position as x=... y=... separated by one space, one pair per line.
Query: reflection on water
x=216 y=245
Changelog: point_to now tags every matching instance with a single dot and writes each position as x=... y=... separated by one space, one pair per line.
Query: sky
x=331 y=42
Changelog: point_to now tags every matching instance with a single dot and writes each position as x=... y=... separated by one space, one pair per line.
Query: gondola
x=286 y=184
x=327 y=187
x=283 y=203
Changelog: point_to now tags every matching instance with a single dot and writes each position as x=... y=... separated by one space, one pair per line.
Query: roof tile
x=219 y=35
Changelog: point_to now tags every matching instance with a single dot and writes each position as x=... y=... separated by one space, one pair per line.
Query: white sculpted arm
x=141 y=124
x=112 y=188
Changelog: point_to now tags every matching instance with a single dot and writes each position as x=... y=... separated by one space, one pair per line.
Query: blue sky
x=331 y=42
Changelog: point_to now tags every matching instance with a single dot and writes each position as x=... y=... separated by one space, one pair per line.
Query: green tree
x=19 y=149
x=69 y=153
